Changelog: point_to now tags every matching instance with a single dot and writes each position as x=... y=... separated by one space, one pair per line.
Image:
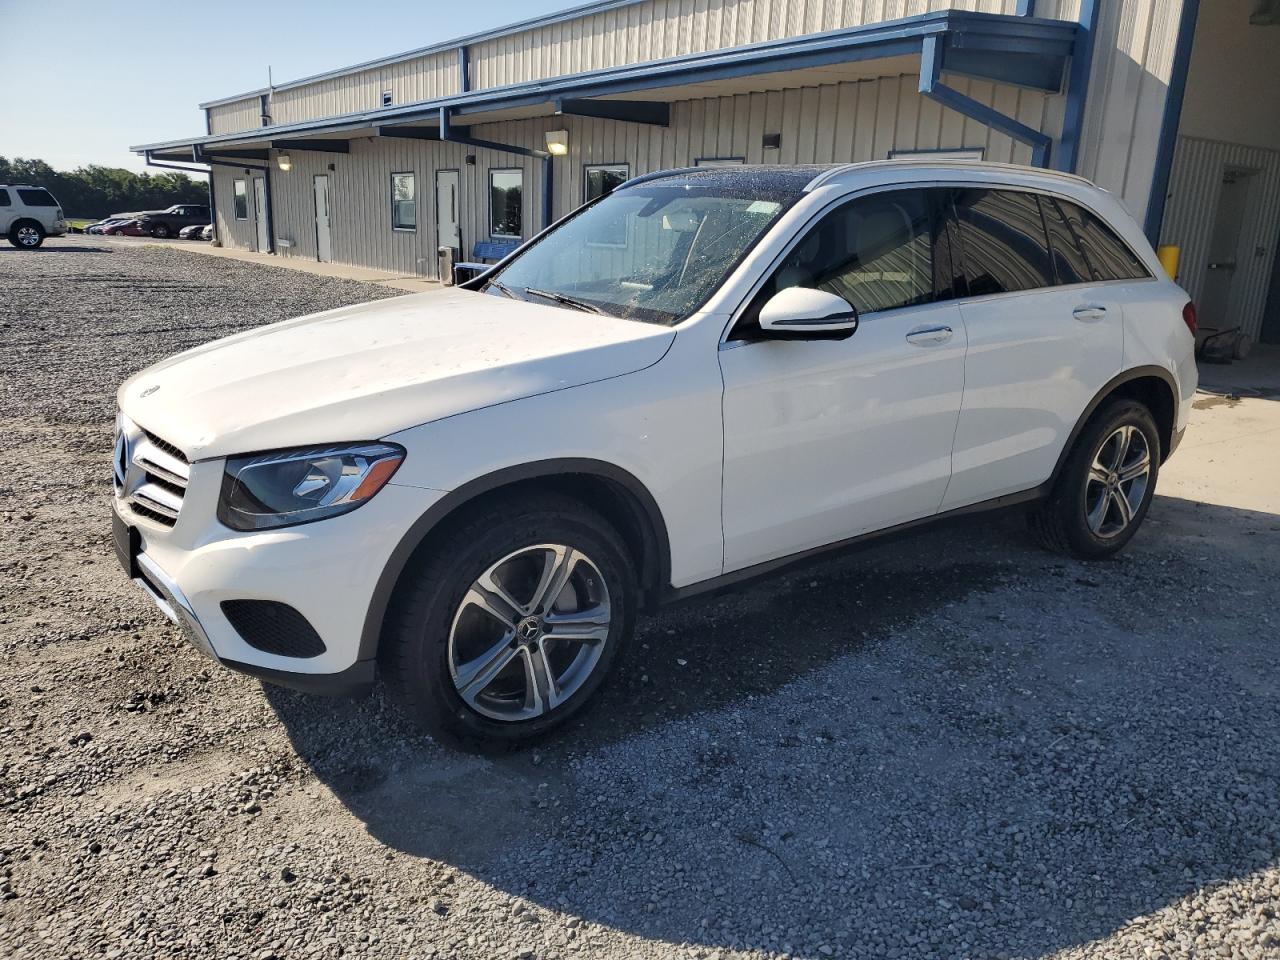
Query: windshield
x=652 y=252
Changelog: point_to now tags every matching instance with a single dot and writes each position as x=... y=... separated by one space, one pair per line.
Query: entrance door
x=1214 y=307
x=448 y=232
x=324 y=251
x=260 y=214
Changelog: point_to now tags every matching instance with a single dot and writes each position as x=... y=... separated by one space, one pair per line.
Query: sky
x=87 y=78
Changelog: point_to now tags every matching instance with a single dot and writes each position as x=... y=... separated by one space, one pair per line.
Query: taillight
x=1189 y=317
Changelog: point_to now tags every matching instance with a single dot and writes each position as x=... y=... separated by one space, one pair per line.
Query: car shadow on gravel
x=1007 y=773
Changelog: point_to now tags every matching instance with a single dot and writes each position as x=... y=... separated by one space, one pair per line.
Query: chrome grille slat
x=151 y=474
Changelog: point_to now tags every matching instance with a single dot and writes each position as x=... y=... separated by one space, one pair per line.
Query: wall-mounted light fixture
x=557 y=142
x=284 y=162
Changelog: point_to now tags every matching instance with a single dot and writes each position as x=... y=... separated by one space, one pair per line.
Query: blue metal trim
x=271 y=225
x=1154 y=219
x=976 y=31
x=931 y=68
x=464 y=68
x=319 y=146
x=1068 y=159
x=264 y=109
x=1025 y=8
x=208 y=123
x=1033 y=70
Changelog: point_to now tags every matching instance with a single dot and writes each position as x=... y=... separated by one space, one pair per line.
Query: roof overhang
x=1027 y=51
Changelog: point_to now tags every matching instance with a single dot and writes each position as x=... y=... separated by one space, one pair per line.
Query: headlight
x=287 y=487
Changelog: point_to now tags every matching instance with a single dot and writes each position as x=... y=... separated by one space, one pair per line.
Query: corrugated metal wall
x=422 y=78
x=232 y=232
x=822 y=124
x=233 y=117
x=1198 y=169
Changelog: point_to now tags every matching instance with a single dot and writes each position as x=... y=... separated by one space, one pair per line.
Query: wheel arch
x=607 y=488
x=1152 y=385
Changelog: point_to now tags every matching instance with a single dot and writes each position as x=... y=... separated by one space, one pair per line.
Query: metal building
x=479 y=142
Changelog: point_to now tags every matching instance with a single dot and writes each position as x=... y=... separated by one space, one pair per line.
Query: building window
x=506 y=203
x=387 y=98
x=242 y=200
x=404 y=202
x=602 y=179
x=719 y=161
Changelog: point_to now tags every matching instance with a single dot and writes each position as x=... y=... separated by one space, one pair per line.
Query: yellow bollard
x=1168 y=257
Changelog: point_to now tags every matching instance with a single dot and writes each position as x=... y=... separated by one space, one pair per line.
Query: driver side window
x=877 y=252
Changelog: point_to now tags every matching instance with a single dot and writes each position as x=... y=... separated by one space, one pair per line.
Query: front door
x=324 y=252
x=827 y=439
x=448 y=232
x=260 y=214
x=1223 y=267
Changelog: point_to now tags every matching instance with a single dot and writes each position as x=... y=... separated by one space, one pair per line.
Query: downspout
x=1068 y=159
x=447 y=135
x=1169 y=125
x=934 y=89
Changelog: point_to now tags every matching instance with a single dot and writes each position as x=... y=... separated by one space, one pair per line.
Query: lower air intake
x=273 y=627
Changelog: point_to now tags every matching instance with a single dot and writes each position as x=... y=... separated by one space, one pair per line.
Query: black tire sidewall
x=1084 y=542
x=161 y=232
x=423 y=682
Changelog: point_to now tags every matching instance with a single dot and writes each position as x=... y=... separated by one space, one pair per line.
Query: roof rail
x=957 y=163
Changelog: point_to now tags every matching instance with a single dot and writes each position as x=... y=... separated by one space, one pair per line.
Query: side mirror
x=803 y=313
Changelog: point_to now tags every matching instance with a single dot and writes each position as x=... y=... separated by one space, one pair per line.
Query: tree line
x=97 y=192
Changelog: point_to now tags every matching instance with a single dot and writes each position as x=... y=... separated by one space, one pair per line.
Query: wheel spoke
x=581 y=626
x=1097 y=515
x=1135 y=470
x=475 y=675
x=1123 y=437
x=497 y=604
x=540 y=690
x=556 y=571
x=1098 y=474
x=1122 y=506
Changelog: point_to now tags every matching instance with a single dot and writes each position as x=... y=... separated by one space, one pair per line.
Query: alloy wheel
x=529 y=632
x=28 y=236
x=1117 y=481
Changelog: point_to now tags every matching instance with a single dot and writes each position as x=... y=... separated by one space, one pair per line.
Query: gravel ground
x=951 y=746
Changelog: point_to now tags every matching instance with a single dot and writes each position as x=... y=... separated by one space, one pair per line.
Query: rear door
x=1044 y=338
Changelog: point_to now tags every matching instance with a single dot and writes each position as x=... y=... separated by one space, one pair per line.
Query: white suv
x=706 y=375
x=29 y=214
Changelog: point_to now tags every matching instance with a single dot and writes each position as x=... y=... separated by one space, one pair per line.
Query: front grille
x=152 y=475
x=273 y=627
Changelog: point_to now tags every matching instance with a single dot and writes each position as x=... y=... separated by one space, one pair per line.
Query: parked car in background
x=206 y=233
x=29 y=214
x=473 y=494
x=194 y=232
x=101 y=225
x=166 y=223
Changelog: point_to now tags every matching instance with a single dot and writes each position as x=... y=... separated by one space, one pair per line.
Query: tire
x=26 y=235
x=1093 y=511
x=161 y=231
x=442 y=643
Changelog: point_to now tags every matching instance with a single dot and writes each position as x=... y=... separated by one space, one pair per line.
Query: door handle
x=1089 y=313
x=927 y=336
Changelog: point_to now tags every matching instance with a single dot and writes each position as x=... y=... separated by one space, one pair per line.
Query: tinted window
x=506 y=198
x=4 y=198
x=241 y=200
x=1108 y=255
x=604 y=179
x=1068 y=260
x=404 y=202
x=1004 y=243
x=37 y=198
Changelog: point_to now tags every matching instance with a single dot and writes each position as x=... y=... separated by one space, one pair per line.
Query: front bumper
x=326 y=571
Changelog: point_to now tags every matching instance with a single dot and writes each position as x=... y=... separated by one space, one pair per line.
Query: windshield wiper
x=566 y=300
x=504 y=289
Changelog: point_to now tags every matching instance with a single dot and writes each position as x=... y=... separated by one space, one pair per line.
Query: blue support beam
x=1068 y=159
x=464 y=68
x=447 y=134
x=934 y=89
x=654 y=112
x=1169 y=125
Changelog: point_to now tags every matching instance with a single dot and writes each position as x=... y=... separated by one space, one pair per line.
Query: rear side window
x=4 y=198
x=37 y=198
x=1108 y=255
x=1068 y=259
x=1003 y=240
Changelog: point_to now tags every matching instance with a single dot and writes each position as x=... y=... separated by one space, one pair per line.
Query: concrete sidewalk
x=413 y=283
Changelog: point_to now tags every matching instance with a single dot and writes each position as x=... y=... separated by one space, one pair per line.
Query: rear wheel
x=161 y=231
x=26 y=235
x=1105 y=488
x=512 y=623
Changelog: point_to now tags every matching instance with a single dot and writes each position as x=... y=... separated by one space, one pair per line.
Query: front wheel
x=512 y=623
x=160 y=231
x=1106 y=485
x=26 y=235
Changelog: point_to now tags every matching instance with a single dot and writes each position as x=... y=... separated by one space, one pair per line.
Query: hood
x=363 y=372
